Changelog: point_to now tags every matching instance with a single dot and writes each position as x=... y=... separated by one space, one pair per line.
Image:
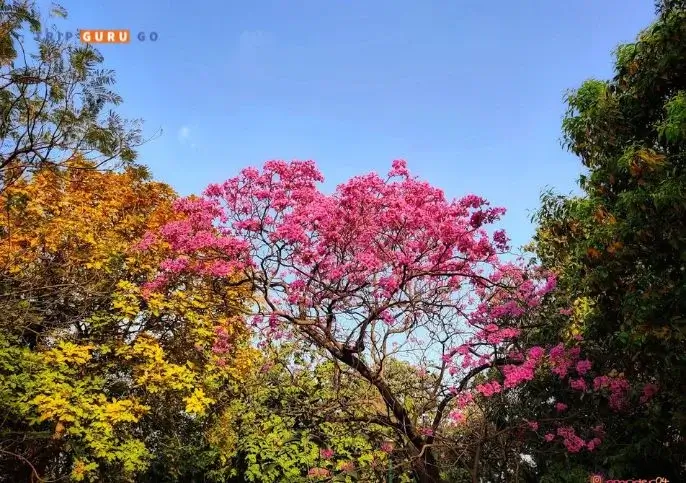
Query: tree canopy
x=620 y=248
x=55 y=100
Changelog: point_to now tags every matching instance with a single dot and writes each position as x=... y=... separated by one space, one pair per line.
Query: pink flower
x=558 y=351
x=221 y=342
x=388 y=318
x=175 y=265
x=399 y=168
x=386 y=447
x=501 y=239
x=592 y=444
x=457 y=417
x=578 y=384
x=463 y=400
x=560 y=407
x=562 y=360
x=649 y=390
x=572 y=442
x=426 y=431
x=618 y=388
x=549 y=437
x=326 y=453
x=533 y=425
x=600 y=382
x=515 y=375
x=535 y=353
x=582 y=367
x=490 y=388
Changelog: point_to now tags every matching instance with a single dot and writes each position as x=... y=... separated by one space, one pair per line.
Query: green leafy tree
x=300 y=418
x=55 y=100
x=620 y=252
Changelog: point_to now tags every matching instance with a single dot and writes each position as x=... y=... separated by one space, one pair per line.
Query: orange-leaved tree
x=96 y=377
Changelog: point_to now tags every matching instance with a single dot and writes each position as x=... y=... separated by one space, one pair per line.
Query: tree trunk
x=425 y=466
x=426 y=469
x=477 y=457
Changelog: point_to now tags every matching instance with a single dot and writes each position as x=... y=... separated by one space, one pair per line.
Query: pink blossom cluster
x=490 y=388
x=560 y=407
x=386 y=447
x=572 y=442
x=496 y=335
x=386 y=228
x=390 y=250
x=592 y=444
x=536 y=353
x=502 y=305
x=457 y=417
x=617 y=386
x=370 y=236
x=194 y=242
x=582 y=367
x=649 y=391
x=326 y=453
x=221 y=342
x=562 y=359
x=271 y=328
x=464 y=399
x=578 y=384
x=518 y=374
x=514 y=374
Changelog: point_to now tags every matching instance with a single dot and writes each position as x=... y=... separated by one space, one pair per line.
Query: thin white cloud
x=184 y=133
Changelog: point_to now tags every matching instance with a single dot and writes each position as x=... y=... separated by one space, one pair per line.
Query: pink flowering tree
x=383 y=269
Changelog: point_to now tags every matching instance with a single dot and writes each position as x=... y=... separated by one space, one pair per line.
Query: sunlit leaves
x=88 y=360
x=673 y=127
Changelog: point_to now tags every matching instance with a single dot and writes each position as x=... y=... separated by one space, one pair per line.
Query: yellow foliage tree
x=88 y=364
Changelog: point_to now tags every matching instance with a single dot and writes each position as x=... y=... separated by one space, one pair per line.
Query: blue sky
x=469 y=93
